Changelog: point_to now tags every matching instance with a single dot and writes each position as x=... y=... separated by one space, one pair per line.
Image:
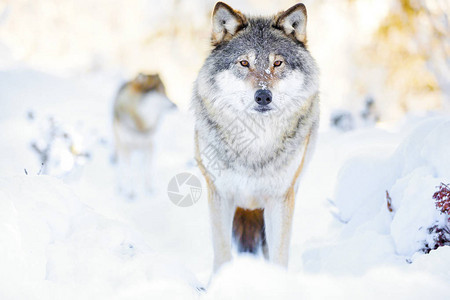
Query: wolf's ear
x=226 y=23
x=293 y=22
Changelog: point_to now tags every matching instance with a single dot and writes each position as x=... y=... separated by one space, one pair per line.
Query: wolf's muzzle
x=263 y=97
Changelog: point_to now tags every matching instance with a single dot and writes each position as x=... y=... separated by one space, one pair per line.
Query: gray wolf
x=256 y=106
x=138 y=109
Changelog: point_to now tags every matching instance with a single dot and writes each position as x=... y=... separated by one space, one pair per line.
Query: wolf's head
x=144 y=83
x=141 y=102
x=152 y=92
x=259 y=65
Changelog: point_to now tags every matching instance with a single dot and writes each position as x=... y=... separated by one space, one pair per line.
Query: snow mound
x=410 y=176
x=52 y=244
x=249 y=278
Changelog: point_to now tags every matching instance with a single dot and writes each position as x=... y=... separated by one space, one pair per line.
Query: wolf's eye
x=244 y=63
x=277 y=63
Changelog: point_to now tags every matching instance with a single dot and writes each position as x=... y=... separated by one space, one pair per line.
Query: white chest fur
x=250 y=187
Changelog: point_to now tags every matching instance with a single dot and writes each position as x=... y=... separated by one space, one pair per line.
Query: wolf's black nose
x=263 y=97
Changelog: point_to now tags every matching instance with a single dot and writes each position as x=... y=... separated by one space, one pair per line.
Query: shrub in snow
x=369 y=113
x=342 y=120
x=440 y=233
x=346 y=120
x=442 y=198
x=439 y=236
x=59 y=149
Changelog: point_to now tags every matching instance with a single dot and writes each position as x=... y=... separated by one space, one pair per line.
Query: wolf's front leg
x=221 y=218
x=148 y=172
x=278 y=215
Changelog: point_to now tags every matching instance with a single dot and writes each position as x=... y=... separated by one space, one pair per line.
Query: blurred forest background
x=379 y=59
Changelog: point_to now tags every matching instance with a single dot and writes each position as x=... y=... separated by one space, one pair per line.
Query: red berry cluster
x=442 y=198
x=441 y=235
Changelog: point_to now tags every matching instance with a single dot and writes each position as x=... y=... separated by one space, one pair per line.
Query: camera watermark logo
x=184 y=189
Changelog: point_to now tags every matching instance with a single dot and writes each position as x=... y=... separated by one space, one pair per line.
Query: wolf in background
x=256 y=104
x=138 y=108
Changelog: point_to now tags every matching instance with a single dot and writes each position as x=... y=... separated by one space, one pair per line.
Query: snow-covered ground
x=70 y=234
